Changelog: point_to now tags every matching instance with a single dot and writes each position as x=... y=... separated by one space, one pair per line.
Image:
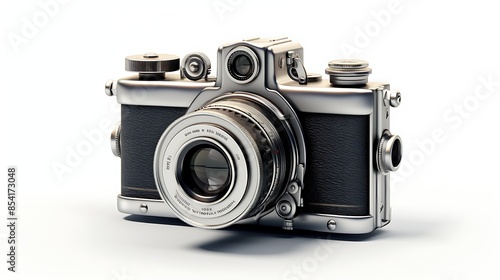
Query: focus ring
x=271 y=128
x=258 y=136
x=262 y=145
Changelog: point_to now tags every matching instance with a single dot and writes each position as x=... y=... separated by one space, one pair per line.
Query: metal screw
x=108 y=88
x=332 y=225
x=285 y=208
x=143 y=208
x=194 y=66
x=282 y=62
x=293 y=188
x=395 y=98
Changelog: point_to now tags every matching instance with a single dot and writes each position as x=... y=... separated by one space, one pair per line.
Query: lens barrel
x=242 y=65
x=225 y=162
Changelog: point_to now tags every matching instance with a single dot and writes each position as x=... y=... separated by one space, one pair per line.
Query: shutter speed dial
x=348 y=72
x=152 y=63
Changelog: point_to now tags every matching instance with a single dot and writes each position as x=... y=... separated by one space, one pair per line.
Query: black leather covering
x=142 y=127
x=337 y=174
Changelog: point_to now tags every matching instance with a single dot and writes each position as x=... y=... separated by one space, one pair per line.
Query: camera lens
x=225 y=162
x=242 y=65
x=204 y=172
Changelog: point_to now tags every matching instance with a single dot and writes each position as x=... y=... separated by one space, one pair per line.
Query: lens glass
x=242 y=65
x=205 y=174
x=397 y=153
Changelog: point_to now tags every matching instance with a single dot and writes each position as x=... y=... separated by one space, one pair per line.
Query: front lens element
x=242 y=65
x=205 y=173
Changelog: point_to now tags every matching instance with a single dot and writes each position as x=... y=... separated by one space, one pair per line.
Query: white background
x=445 y=197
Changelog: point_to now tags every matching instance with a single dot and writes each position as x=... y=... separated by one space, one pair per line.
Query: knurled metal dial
x=348 y=72
x=256 y=134
x=116 y=140
x=348 y=64
x=262 y=147
x=152 y=63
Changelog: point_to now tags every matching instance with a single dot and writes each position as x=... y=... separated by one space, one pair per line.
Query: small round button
x=293 y=187
x=143 y=208
x=332 y=225
x=151 y=55
x=108 y=88
x=285 y=208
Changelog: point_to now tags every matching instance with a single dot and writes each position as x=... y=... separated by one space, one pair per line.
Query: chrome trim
x=306 y=221
x=319 y=222
x=130 y=205
x=373 y=190
x=171 y=92
x=317 y=97
x=380 y=183
x=320 y=97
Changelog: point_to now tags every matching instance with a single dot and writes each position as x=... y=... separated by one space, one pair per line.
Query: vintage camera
x=263 y=142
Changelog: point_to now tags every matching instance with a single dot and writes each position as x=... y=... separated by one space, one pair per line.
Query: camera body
x=263 y=142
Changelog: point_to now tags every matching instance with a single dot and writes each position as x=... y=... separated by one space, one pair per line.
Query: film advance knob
x=151 y=63
x=348 y=72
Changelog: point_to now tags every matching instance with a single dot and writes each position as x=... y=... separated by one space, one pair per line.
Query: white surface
x=445 y=199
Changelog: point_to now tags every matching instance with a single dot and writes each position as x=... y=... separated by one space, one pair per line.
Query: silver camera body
x=263 y=142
